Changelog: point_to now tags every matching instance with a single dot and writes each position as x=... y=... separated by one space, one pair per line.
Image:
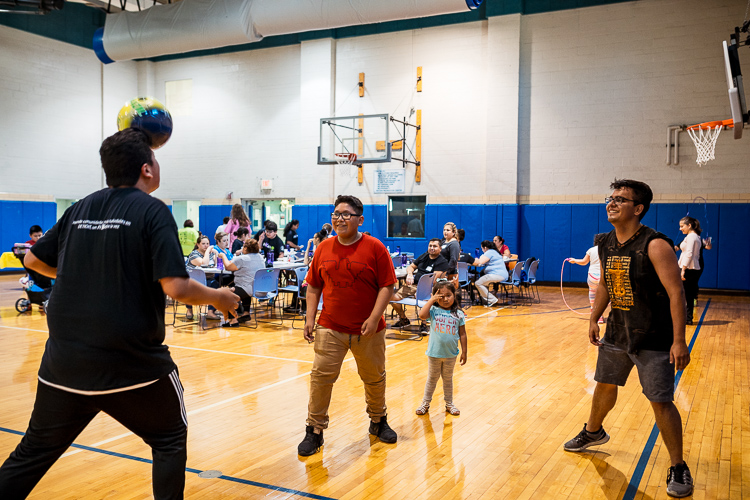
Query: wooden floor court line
x=640 y=468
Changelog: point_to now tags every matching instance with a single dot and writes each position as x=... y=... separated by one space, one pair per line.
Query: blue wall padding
x=16 y=217
x=584 y=224
x=557 y=234
x=550 y=233
x=734 y=241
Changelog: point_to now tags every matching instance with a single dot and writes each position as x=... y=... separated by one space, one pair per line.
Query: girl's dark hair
x=289 y=226
x=488 y=244
x=693 y=223
x=322 y=235
x=241 y=231
x=442 y=283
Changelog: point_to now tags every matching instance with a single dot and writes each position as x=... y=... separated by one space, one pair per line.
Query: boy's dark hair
x=35 y=229
x=226 y=220
x=488 y=244
x=435 y=239
x=241 y=231
x=271 y=226
x=188 y=223
x=642 y=193
x=352 y=201
x=123 y=154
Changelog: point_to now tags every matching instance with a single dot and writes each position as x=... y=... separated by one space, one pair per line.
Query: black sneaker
x=584 y=439
x=401 y=323
x=312 y=442
x=424 y=329
x=679 y=481
x=383 y=431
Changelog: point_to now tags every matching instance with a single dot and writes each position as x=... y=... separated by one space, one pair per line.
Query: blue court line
x=188 y=469
x=635 y=481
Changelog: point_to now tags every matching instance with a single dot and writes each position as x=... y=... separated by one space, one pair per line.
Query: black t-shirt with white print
x=426 y=265
x=106 y=312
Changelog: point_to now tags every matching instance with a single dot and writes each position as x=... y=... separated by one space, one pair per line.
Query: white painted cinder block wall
x=538 y=108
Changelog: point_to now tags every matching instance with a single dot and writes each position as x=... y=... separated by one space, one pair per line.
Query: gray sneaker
x=679 y=481
x=584 y=439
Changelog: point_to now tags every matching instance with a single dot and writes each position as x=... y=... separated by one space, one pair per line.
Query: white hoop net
x=345 y=161
x=705 y=142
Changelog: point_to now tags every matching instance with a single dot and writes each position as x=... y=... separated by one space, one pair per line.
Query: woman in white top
x=689 y=261
x=595 y=269
x=244 y=268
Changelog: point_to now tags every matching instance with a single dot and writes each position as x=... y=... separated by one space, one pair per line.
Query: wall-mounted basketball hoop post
x=418 y=146
x=361 y=85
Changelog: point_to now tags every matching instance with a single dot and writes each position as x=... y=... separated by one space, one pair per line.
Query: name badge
x=428 y=268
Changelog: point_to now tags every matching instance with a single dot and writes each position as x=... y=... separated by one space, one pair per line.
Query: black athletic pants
x=691 y=289
x=155 y=413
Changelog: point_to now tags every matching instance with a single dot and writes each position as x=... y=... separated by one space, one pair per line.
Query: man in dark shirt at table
x=114 y=254
x=429 y=262
x=269 y=240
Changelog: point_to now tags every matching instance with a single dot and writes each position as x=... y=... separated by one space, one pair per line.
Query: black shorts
x=655 y=372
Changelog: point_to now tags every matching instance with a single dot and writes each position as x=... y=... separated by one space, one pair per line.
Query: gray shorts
x=655 y=372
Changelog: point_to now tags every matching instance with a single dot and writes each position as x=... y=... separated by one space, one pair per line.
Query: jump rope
x=562 y=269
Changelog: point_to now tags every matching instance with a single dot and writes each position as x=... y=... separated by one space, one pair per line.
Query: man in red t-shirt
x=354 y=273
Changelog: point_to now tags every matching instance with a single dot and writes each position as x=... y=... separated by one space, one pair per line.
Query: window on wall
x=406 y=216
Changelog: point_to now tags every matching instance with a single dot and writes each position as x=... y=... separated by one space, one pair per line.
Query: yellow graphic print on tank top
x=618 y=282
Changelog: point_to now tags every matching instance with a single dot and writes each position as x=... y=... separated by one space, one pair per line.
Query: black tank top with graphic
x=640 y=318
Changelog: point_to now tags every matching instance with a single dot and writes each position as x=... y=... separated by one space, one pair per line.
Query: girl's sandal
x=423 y=408
x=452 y=409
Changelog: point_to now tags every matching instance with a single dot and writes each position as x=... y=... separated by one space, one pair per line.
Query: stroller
x=36 y=286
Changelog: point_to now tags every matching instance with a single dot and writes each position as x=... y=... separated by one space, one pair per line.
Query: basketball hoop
x=345 y=160
x=704 y=136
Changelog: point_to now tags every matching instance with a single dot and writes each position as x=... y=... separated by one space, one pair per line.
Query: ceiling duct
x=192 y=25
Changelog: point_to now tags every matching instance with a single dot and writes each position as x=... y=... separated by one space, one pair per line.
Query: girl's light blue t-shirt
x=444 y=325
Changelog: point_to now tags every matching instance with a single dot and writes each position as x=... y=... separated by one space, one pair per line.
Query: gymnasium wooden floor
x=525 y=390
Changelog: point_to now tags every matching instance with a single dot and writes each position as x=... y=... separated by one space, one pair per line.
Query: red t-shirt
x=350 y=277
x=31 y=242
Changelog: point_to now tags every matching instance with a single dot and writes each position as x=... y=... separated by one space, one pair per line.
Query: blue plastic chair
x=265 y=289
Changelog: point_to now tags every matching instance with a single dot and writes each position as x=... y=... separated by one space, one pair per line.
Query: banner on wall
x=390 y=181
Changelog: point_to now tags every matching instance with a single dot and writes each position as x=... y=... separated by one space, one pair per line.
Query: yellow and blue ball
x=149 y=115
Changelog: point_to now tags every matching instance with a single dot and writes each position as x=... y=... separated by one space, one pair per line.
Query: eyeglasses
x=619 y=200
x=345 y=216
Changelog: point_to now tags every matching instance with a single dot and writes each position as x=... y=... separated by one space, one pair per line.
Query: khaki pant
x=330 y=348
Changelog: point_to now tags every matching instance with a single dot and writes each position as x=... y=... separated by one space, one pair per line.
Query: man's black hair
x=123 y=154
x=352 y=201
x=435 y=239
x=642 y=193
x=188 y=223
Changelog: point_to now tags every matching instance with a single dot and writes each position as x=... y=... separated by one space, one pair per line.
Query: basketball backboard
x=359 y=135
x=736 y=91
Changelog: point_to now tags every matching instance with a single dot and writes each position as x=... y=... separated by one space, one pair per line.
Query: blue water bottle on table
x=219 y=263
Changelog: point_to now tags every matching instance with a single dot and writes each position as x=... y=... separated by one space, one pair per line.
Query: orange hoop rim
x=729 y=123
x=347 y=158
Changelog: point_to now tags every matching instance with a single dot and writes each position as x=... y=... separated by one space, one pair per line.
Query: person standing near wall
x=355 y=275
x=238 y=219
x=188 y=237
x=592 y=260
x=645 y=328
x=689 y=262
x=105 y=350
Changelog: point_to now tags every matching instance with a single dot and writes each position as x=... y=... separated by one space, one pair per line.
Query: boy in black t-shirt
x=269 y=240
x=114 y=254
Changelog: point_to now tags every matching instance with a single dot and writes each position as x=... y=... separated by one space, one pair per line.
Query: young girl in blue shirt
x=446 y=330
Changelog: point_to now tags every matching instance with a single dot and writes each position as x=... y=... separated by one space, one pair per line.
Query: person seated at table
x=35 y=232
x=269 y=241
x=463 y=256
x=244 y=267
x=494 y=271
x=222 y=244
x=312 y=245
x=501 y=247
x=203 y=255
x=429 y=262
x=241 y=236
x=291 y=236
